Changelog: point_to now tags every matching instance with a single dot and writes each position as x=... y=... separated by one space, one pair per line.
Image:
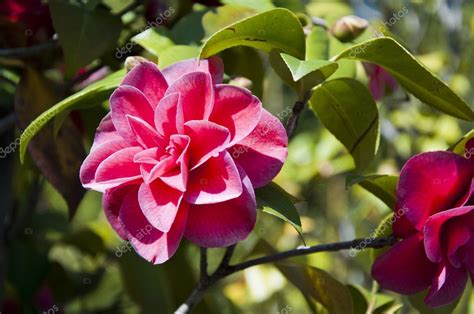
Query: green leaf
x=359 y=301
x=277 y=202
x=384 y=187
x=175 y=54
x=275 y=29
x=346 y=108
x=411 y=74
x=347 y=68
x=390 y=307
x=81 y=32
x=460 y=147
x=223 y=16
x=317 y=44
x=318 y=285
x=153 y=41
x=260 y=5
x=91 y=94
x=310 y=72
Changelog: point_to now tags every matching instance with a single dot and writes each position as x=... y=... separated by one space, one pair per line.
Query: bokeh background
x=49 y=262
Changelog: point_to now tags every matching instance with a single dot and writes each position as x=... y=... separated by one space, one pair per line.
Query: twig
x=225 y=269
x=295 y=114
x=203 y=269
x=27 y=52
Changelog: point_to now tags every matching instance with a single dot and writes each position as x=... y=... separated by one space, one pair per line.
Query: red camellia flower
x=436 y=193
x=180 y=154
x=381 y=83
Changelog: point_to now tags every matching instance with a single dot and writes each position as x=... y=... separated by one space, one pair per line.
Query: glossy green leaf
x=98 y=90
x=153 y=41
x=359 y=301
x=80 y=32
x=275 y=29
x=223 y=16
x=276 y=201
x=384 y=187
x=460 y=147
x=177 y=53
x=411 y=74
x=260 y=5
x=317 y=44
x=347 y=110
x=347 y=68
x=318 y=285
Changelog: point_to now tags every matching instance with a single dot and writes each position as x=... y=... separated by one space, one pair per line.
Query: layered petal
x=432 y=182
x=169 y=115
x=97 y=156
x=434 y=235
x=116 y=170
x=159 y=204
x=215 y=181
x=448 y=285
x=236 y=109
x=223 y=224
x=262 y=153
x=214 y=66
x=129 y=101
x=196 y=95
x=404 y=268
x=112 y=202
x=208 y=139
x=152 y=244
x=105 y=132
x=145 y=135
x=147 y=78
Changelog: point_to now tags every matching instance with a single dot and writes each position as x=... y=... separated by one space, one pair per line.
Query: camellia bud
x=131 y=62
x=349 y=28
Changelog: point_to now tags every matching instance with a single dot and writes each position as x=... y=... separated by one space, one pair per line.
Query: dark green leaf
x=93 y=94
x=60 y=158
x=347 y=110
x=317 y=44
x=276 y=201
x=223 y=16
x=359 y=300
x=384 y=187
x=80 y=32
x=275 y=29
x=411 y=74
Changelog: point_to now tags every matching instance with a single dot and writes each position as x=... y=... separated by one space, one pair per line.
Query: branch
x=225 y=269
x=27 y=52
x=295 y=114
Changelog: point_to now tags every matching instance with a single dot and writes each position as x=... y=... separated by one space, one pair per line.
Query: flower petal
x=152 y=244
x=127 y=100
x=145 y=135
x=112 y=202
x=215 y=181
x=404 y=268
x=432 y=182
x=101 y=152
x=214 y=66
x=117 y=169
x=236 y=109
x=169 y=115
x=448 y=285
x=208 y=139
x=196 y=95
x=105 y=132
x=159 y=204
x=223 y=224
x=433 y=231
x=147 y=78
x=263 y=152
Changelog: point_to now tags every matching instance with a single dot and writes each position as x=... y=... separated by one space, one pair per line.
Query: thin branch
x=295 y=114
x=225 y=269
x=27 y=52
x=203 y=269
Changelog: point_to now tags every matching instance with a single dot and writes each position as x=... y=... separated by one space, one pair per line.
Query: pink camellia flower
x=164 y=158
x=381 y=83
x=436 y=193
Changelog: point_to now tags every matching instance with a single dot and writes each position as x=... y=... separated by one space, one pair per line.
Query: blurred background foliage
x=49 y=261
